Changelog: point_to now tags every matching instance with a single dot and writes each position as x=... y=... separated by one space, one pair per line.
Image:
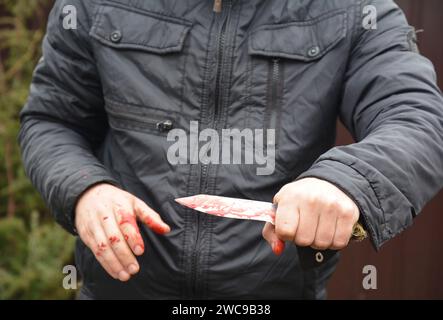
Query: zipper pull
x=217 y=6
x=164 y=126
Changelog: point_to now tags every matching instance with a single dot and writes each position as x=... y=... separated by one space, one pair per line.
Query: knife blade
x=231 y=207
x=255 y=210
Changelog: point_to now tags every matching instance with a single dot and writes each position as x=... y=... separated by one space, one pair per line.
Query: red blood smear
x=278 y=247
x=114 y=239
x=221 y=207
x=101 y=247
x=126 y=237
x=126 y=217
x=154 y=226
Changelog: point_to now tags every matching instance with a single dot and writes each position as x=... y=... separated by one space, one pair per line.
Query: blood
x=101 y=248
x=154 y=226
x=240 y=208
x=127 y=217
x=278 y=247
x=104 y=218
x=114 y=240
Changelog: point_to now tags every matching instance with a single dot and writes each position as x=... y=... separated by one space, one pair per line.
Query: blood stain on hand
x=114 y=240
x=154 y=226
x=126 y=217
x=101 y=247
x=278 y=247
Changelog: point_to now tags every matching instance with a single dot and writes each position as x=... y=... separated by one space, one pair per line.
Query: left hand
x=312 y=212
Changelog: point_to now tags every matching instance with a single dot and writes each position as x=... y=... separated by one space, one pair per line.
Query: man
x=105 y=97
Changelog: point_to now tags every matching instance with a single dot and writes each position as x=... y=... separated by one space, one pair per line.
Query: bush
x=33 y=249
x=32 y=260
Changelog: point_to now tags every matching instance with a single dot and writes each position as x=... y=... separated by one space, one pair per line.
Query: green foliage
x=34 y=260
x=33 y=250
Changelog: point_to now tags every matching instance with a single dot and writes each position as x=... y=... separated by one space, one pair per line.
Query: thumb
x=270 y=236
x=150 y=218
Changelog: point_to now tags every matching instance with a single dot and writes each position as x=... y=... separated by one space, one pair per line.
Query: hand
x=105 y=218
x=312 y=212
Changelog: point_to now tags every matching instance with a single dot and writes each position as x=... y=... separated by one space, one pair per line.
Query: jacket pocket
x=124 y=27
x=140 y=55
x=301 y=40
x=282 y=54
x=123 y=116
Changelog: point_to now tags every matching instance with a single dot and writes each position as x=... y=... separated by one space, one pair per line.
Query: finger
x=105 y=254
x=286 y=220
x=89 y=241
x=126 y=220
x=307 y=226
x=343 y=232
x=270 y=236
x=151 y=218
x=98 y=255
x=326 y=229
x=118 y=244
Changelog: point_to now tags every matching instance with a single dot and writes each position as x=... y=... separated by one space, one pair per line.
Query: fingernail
x=123 y=276
x=133 y=269
x=138 y=250
x=277 y=247
x=167 y=229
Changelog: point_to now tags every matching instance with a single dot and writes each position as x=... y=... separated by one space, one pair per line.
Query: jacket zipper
x=215 y=118
x=161 y=125
x=274 y=88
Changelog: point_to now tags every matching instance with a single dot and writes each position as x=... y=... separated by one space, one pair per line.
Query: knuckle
x=334 y=205
x=304 y=240
x=312 y=200
x=114 y=240
x=322 y=243
x=285 y=232
x=346 y=215
x=348 y=207
x=340 y=243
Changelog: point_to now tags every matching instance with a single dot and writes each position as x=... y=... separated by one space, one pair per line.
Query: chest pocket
x=140 y=55
x=284 y=60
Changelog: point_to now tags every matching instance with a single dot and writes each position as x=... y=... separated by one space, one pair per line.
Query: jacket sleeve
x=394 y=110
x=63 y=120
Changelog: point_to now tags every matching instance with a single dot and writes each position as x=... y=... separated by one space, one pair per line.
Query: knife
x=260 y=211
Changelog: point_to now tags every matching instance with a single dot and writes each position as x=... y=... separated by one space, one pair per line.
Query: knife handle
x=312 y=258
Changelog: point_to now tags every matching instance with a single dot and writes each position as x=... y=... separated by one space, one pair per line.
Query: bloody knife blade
x=231 y=207
x=253 y=210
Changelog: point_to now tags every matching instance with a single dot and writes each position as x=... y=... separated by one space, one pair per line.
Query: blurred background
x=411 y=265
x=33 y=250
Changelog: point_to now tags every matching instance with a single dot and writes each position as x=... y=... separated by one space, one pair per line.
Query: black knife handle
x=311 y=258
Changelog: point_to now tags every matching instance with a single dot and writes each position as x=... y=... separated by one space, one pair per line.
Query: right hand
x=105 y=218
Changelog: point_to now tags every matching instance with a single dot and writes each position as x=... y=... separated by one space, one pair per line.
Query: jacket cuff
x=73 y=188
x=348 y=179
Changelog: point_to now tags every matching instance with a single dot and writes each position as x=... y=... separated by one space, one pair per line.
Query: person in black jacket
x=107 y=95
